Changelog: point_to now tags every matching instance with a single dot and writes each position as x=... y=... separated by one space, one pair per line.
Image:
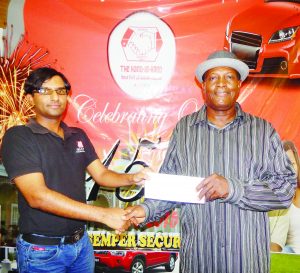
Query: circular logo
x=142 y=55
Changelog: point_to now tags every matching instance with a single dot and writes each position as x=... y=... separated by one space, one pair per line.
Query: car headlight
x=284 y=34
x=118 y=253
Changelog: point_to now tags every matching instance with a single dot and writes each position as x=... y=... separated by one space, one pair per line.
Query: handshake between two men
x=120 y=220
x=211 y=188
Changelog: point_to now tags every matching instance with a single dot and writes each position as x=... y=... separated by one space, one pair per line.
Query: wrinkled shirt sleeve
x=275 y=186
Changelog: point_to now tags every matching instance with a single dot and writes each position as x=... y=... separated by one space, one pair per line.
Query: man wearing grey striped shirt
x=246 y=174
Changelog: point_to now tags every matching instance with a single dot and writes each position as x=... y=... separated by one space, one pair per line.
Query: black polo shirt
x=33 y=148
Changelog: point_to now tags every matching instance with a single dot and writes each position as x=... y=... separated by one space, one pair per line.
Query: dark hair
x=289 y=145
x=38 y=76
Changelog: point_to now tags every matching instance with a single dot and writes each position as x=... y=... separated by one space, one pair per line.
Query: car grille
x=245 y=38
x=246 y=47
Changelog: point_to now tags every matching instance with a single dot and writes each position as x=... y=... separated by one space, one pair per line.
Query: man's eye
x=230 y=76
x=61 y=91
x=45 y=90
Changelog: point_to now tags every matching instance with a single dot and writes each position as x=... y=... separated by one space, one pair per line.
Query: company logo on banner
x=141 y=53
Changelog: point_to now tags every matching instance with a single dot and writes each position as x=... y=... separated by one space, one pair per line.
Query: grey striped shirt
x=230 y=235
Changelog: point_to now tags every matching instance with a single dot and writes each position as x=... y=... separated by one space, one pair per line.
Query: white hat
x=222 y=58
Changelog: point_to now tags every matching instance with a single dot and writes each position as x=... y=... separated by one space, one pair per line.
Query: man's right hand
x=135 y=214
x=114 y=218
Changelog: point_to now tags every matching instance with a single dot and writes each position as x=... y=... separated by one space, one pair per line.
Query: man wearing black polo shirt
x=47 y=161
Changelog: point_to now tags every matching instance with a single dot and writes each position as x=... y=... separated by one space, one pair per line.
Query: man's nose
x=221 y=81
x=54 y=95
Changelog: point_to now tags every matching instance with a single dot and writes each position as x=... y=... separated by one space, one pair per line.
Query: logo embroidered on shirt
x=80 y=147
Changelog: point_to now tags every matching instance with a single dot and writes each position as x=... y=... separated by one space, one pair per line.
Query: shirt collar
x=37 y=128
x=200 y=117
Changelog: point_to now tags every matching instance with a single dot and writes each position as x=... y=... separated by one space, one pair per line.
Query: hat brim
x=237 y=65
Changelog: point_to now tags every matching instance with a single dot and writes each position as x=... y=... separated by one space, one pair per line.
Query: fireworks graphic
x=15 y=109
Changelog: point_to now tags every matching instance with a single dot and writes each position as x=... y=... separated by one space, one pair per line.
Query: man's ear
x=202 y=86
x=203 y=90
x=29 y=98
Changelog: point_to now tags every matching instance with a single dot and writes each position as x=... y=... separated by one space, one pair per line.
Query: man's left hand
x=213 y=187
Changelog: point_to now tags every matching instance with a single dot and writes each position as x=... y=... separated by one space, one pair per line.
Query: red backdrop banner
x=131 y=65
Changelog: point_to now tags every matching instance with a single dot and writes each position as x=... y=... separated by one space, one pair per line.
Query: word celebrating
x=132 y=240
x=87 y=112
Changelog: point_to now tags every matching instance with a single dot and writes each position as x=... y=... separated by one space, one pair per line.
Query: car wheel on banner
x=142 y=55
x=171 y=265
x=138 y=266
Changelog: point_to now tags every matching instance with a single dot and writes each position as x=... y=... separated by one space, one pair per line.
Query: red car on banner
x=266 y=37
x=134 y=261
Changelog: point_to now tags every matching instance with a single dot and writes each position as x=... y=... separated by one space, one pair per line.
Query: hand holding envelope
x=178 y=188
x=186 y=189
x=213 y=187
x=175 y=188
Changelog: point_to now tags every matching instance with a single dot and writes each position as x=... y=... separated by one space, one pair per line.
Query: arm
x=50 y=201
x=273 y=184
x=156 y=209
x=108 y=178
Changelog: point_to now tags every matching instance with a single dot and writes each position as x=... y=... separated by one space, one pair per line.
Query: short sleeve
x=20 y=155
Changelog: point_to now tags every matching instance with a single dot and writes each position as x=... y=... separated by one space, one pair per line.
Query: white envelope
x=169 y=187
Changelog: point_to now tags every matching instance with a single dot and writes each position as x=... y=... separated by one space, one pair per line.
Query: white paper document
x=173 y=188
